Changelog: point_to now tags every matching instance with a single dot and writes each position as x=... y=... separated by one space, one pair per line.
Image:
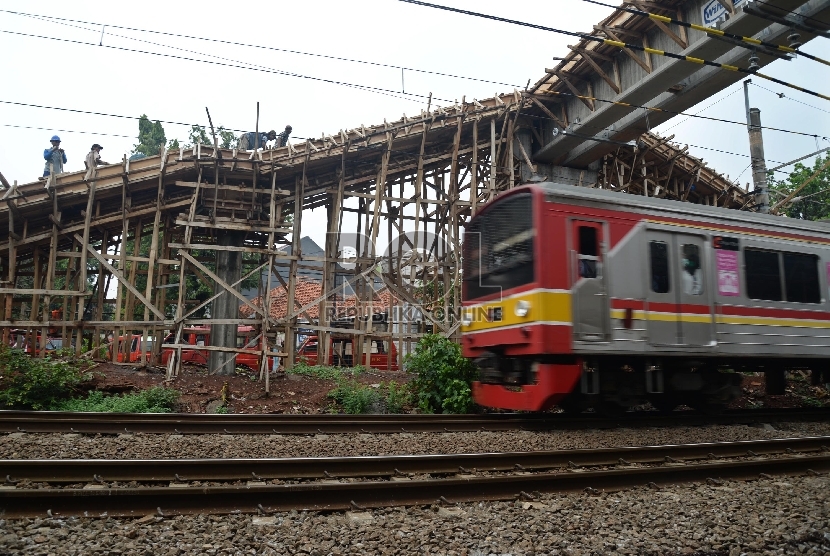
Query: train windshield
x=498 y=248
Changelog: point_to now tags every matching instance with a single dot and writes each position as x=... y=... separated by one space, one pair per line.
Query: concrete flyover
x=666 y=83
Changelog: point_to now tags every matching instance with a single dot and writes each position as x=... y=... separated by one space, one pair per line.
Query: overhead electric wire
x=702 y=109
x=47 y=20
x=621 y=45
x=68 y=131
x=274 y=71
x=673 y=113
x=782 y=95
x=712 y=31
x=785 y=11
x=390 y=92
x=247 y=45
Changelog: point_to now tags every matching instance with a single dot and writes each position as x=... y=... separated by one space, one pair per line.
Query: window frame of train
x=499 y=249
x=798 y=283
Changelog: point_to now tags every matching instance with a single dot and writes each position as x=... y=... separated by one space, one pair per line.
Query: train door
x=590 y=302
x=678 y=300
x=694 y=296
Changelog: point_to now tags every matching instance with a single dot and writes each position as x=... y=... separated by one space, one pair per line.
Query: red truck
x=135 y=349
x=341 y=350
x=198 y=336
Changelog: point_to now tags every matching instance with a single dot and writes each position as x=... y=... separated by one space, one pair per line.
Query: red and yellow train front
x=516 y=314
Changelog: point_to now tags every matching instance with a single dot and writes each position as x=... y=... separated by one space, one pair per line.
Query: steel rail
x=188 y=423
x=184 y=470
x=19 y=503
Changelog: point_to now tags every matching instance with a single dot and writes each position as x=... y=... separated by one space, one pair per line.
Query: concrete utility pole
x=756 y=152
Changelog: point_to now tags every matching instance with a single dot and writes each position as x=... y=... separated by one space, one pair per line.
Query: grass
x=154 y=400
x=324 y=372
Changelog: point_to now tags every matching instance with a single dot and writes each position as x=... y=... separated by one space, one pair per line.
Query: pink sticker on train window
x=728 y=281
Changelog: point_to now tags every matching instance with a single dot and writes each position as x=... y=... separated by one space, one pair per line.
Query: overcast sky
x=116 y=79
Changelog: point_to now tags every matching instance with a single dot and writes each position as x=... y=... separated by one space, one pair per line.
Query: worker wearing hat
x=55 y=157
x=93 y=159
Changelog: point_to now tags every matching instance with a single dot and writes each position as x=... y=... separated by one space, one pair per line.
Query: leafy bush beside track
x=33 y=383
x=443 y=384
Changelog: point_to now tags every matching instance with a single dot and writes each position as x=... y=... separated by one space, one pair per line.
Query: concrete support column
x=226 y=306
x=759 y=165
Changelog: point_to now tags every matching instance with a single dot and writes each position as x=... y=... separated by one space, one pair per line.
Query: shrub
x=33 y=383
x=444 y=376
x=154 y=400
x=356 y=398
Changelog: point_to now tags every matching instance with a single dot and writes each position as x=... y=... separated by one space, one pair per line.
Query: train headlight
x=522 y=308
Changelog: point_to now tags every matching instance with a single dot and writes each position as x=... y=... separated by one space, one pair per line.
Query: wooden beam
x=121 y=279
x=577 y=93
x=630 y=53
x=586 y=55
x=547 y=112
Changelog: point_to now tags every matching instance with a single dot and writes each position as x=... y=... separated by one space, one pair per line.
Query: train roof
x=639 y=204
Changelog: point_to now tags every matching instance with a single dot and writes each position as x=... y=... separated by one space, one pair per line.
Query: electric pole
x=756 y=152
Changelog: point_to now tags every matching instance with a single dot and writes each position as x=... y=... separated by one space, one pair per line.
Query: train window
x=659 y=252
x=763 y=275
x=240 y=341
x=801 y=278
x=588 y=241
x=200 y=339
x=692 y=274
x=588 y=252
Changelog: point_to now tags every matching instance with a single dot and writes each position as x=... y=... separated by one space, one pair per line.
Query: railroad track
x=187 y=423
x=387 y=480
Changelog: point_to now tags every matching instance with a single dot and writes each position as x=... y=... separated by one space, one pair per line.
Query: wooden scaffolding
x=97 y=258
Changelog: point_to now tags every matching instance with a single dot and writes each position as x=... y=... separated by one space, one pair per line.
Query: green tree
x=150 y=137
x=227 y=138
x=813 y=201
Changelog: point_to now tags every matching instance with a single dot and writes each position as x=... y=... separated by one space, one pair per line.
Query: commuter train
x=580 y=297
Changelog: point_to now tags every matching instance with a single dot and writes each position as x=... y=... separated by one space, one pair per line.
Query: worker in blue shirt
x=248 y=141
x=55 y=157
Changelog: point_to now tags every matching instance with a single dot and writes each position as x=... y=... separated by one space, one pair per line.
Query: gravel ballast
x=160 y=446
x=768 y=516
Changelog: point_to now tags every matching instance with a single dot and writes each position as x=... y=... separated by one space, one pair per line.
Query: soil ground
x=289 y=393
x=298 y=394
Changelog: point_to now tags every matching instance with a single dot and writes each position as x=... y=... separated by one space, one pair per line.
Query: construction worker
x=248 y=141
x=55 y=157
x=93 y=159
x=282 y=138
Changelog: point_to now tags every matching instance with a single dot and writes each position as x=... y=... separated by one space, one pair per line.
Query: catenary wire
x=272 y=71
x=47 y=20
x=68 y=131
x=712 y=31
x=782 y=95
x=388 y=91
x=286 y=50
x=702 y=109
x=622 y=45
x=785 y=11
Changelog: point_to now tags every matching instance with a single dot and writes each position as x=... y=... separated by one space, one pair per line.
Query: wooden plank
x=586 y=55
x=122 y=280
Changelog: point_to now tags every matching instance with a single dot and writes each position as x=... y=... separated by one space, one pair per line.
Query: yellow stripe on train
x=540 y=305
x=722 y=319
